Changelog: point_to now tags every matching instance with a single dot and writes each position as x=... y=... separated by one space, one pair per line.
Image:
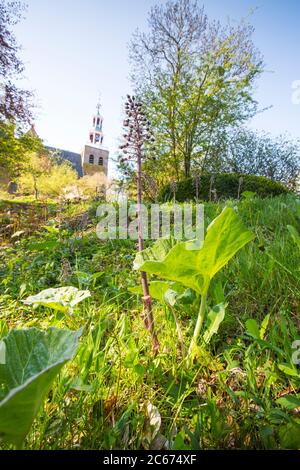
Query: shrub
x=93 y=185
x=43 y=177
x=224 y=186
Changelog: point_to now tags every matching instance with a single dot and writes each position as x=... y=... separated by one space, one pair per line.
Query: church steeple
x=94 y=157
x=96 y=134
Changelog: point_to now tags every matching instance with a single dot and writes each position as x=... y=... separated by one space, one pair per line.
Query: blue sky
x=74 y=49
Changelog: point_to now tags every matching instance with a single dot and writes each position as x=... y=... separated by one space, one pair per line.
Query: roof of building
x=92 y=146
x=32 y=131
x=72 y=157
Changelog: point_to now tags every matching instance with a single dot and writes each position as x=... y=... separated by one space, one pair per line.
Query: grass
x=229 y=397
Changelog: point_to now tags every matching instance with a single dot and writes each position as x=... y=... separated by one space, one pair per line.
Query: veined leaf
x=287 y=369
x=253 y=328
x=157 y=252
x=214 y=318
x=195 y=268
x=264 y=326
x=33 y=358
x=61 y=298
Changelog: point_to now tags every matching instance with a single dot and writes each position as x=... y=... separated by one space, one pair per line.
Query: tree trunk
x=36 y=193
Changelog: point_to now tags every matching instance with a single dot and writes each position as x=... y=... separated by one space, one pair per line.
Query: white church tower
x=94 y=156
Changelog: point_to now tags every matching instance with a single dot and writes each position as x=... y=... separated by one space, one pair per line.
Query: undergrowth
x=232 y=396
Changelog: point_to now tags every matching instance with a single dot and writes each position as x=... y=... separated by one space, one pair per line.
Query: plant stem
x=200 y=320
x=179 y=332
x=148 y=314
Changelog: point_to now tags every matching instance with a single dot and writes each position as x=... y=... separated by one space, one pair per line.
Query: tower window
x=93 y=121
x=91 y=138
x=101 y=139
x=98 y=121
x=91 y=159
x=100 y=161
x=97 y=138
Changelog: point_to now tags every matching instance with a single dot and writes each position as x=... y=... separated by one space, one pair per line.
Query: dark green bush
x=225 y=185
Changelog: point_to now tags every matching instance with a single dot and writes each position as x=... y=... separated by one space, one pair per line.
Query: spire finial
x=98 y=103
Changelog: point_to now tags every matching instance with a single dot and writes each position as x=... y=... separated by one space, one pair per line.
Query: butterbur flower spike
x=139 y=133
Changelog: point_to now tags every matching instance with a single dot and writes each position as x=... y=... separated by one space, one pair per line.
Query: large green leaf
x=156 y=252
x=31 y=360
x=61 y=298
x=192 y=267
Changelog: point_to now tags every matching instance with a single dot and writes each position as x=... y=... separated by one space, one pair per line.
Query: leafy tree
x=15 y=148
x=196 y=77
x=44 y=176
x=258 y=153
x=15 y=103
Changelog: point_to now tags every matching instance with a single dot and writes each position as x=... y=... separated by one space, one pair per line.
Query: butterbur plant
x=30 y=360
x=192 y=267
x=63 y=299
x=137 y=135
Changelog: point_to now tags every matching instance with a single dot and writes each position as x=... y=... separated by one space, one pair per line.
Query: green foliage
x=15 y=105
x=33 y=359
x=227 y=399
x=214 y=319
x=290 y=435
x=289 y=402
x=252 y=328
x=166 y=292
x=194 y=266
x=255 y=153
x=16 y=146
x=294 y=234
x=226 y=185
x=196 y=79
x=43 y=176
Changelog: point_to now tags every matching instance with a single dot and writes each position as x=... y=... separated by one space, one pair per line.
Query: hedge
x=224 y=186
